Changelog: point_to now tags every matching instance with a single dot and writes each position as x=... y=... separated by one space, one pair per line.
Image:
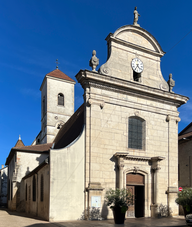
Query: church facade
x=125 y=135
x=132 y=124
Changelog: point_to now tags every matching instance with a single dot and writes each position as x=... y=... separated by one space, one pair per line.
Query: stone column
x=121 y=167
x=172 y=164
x=155 y=175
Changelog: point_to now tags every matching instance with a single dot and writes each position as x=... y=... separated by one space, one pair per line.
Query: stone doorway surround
x=148 y=167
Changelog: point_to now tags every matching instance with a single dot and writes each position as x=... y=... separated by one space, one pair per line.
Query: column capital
x=173 y=118
x=121 y=163
x=100 y=103
x=156 y=162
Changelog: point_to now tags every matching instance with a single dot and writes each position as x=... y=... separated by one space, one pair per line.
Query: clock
x=137 y=65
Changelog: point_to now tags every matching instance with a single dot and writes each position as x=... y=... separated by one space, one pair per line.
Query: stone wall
x=107 y=132
x=55 y=114
x=67 y=166
x=21 y=164
x=39 y=207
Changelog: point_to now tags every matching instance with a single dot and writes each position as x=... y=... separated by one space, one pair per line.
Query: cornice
x=136 y=47
x=88 y=78
x=125 y=156
x=113 y=37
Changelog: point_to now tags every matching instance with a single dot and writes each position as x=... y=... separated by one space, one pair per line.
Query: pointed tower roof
x=19 y=142
x=59 y=74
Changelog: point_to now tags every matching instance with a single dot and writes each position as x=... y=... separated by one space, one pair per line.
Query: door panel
x=131 y=209
x=135 y=183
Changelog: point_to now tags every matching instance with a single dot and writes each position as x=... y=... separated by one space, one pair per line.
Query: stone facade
x=38 y=204
x=111 y=97
x=185 y=157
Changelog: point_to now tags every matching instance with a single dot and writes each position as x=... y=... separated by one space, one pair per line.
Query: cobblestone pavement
x=14 y=219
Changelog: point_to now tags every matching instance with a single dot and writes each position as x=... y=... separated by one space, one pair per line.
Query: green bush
x=121 y=198
x=185 y=199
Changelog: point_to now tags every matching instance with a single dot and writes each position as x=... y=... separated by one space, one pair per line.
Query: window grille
x=34 y=188
x=136 y=133
x=60 y=99
x=42 y=187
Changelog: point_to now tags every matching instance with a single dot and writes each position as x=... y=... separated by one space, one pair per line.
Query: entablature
x=88 y=78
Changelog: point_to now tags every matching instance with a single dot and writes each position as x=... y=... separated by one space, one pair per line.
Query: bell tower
x=57 y=104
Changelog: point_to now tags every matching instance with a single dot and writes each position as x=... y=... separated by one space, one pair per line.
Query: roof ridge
x=36 y=145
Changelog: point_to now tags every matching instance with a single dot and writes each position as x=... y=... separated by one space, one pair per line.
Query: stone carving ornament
x=94 y=61
x=136 y=17
x=171 y=83
x=105 y=70
x=135 y=169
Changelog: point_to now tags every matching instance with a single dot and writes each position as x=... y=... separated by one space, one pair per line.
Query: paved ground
x=14 y=219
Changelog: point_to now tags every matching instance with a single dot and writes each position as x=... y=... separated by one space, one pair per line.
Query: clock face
x=137 y=65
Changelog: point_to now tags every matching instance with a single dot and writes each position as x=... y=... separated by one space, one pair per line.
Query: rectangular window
x=136 y=133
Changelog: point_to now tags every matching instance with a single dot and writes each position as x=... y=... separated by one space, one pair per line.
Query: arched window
x=43 y=105
x=60 y=99
x=136 y=133
x=34 y=188
x=42 y=187
x=26 y=192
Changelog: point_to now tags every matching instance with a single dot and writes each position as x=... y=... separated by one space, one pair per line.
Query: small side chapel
x=125 y=135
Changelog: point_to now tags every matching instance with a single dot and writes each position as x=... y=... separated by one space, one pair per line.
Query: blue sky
x=34 y=33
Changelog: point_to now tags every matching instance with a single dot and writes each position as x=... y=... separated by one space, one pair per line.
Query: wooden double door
x=135 y=184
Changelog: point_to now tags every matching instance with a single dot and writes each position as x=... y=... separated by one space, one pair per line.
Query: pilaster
x=172 y=168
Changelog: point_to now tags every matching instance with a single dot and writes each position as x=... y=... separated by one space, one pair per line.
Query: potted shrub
x=119 y=201
x=185 y=200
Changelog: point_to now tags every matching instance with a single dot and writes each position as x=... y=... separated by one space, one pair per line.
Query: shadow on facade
x=21 y=214
x=46 y=224
x=3 y=190
x=116 y=169
x=41 y=158
x=27 y=171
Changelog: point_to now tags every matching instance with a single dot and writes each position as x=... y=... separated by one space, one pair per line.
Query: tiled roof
x=58 y=74
x=70 y=130
x=19 y=143
x=185 y=129
x=40 y=148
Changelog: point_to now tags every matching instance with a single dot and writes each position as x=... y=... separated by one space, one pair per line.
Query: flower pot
x=119 y=216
